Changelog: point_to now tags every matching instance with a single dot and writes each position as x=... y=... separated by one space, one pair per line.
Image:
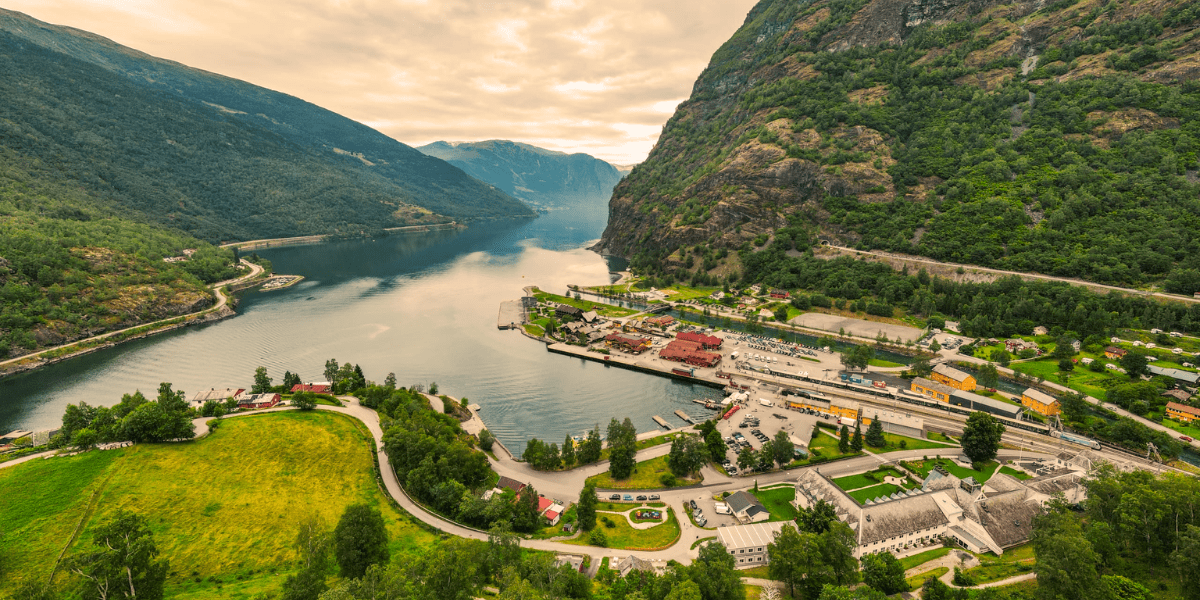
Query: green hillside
x=1059 y=139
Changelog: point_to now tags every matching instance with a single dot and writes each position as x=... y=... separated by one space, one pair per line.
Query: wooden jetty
x=511 y=316
x=661 y=422
x=683 y=415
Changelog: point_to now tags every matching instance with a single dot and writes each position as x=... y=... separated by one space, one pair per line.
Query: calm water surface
x=422 y=306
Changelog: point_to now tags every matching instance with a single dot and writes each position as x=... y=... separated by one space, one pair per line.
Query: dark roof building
x=564 y=310
x=509 y=483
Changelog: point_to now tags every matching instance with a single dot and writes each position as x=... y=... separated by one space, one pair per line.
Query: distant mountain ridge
x=255 y=162
x=541 y=177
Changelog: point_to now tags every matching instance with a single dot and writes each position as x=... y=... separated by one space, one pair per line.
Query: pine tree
x=568 y=452
x=844 y=440
x=857 y=443
x=875 y=437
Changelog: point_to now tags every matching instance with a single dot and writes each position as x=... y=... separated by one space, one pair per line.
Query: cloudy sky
x=595 y=76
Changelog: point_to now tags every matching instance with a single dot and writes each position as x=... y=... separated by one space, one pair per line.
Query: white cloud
x=595 y=76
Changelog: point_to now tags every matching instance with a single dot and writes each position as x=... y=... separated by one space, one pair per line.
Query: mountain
x=543 y=178
x=1058 y=137
x=214 y=156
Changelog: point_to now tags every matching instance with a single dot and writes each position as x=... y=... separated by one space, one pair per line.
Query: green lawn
x=879 y=362
x=621 y=536
x=923 y=467
x=778 y=503
x=665 y=438
x=1189 y=430
x=862 y=480
x=603 y=309
x=1081 y=379
x=759 y=572
x=873 y=492
x=1021 y=475
x=893 y=444
x=534 y=330
x=909 y=562
x=938 y=437
x=916 y=581
x=828 y=446
x=222 y=508
x=646 y=476
x=1014 y=561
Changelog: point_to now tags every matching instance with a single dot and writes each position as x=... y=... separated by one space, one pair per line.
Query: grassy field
x=622 y=536
x=879 y=362
x=893 y=444
x=923 y=467
x=1080 y=380
x=862 y=480
x=1014 y=561
x=1021 y=475
x=646 y=476
x=828 y=445
x=873 y=492
x=916 y=581
x=657 y=440
x=778 y=503
x=606 y=310
x=1189 y=430
x=909 y=562
x=223 y=509
x=759 y=572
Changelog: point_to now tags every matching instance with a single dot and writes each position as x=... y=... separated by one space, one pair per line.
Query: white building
x=748 y=543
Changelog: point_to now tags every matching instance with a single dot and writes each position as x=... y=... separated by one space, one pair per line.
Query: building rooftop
x=741 y=501
x=933 y=385
x=1185 y=376
x=1040 y=396
x=890 y=519
x=1183 y=408
x=750 y=536
x=947 y=371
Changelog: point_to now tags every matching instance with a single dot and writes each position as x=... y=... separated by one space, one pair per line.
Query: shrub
x=668 y=479
x=961 y=579
x=903 y=444
x=597 y=538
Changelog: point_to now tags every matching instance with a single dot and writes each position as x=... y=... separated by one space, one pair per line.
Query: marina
x=684 y=416
x=661 y=422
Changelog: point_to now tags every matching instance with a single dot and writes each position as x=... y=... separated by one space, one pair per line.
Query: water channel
x=422 y=306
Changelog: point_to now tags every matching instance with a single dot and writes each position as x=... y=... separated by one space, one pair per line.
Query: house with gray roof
x=746 y=508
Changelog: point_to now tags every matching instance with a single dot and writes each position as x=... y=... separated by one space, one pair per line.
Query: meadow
x=223 y=509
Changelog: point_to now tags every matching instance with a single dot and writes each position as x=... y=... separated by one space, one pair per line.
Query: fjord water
x=423 y=306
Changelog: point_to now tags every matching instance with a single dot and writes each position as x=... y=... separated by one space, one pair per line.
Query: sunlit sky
x=595 y=76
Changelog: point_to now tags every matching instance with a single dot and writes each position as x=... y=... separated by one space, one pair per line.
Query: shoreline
x=308 y=240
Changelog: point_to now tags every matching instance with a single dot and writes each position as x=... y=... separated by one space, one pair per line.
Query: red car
x=1185 y=438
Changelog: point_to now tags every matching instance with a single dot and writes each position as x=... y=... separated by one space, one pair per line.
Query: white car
x=721 y=508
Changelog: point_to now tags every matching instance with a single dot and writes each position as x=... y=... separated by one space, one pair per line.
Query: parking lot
x=756 y=423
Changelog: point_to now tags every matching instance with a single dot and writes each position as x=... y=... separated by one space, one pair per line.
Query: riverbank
x=217 y=312
x=319 y=239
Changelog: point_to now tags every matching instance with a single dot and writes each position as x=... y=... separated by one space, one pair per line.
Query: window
x=742 y=551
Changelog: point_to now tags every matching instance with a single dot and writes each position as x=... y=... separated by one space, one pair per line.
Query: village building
x=748 y=543
x=258 y=400
x=780 y=294
x=710 y=342
x=1040 y=402
x=746 y=508
x=566 y=311
x=316 y=388
x=689 y=352
x=508 y=483
x=1016 y=345
x=894 y=422
x=970 y=400
x=933 y=389
x=1178 y=394
x=660 y=320
x=842 y=408
x=629 y=343
x=1184 y=377
x=947 y=375
x=590 y=316
x=1182 y=412
x=221 y=395
x=632 y=563
x=1114 y=353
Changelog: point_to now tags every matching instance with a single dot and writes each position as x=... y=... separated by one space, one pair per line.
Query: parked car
x=722 y=509
x=1185 y=438
x=628 y=498
x=693 y=504
x=641 y=498
x=701 y=521
x=615 y=497
x=654 y=496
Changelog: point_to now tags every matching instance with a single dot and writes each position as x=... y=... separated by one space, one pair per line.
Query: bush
x=903 y=444
x=597 y=538
x=668 y=480
x=608 y=523
x=961 y=579
x=977 y=466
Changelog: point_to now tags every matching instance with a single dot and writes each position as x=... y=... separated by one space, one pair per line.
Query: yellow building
x=933 y=389
x=1041 y=403
x=953 y=377
x=1182 y=412
x=845 y=408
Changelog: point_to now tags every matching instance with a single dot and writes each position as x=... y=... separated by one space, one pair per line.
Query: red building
x=258 y=400
x=691 y=353
x=629 y=343
x=710 y=342
x=780 y=294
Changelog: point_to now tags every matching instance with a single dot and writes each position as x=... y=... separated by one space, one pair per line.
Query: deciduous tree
x=360 y=540
x=124 y=562
x=981 y=437
x=884 y=572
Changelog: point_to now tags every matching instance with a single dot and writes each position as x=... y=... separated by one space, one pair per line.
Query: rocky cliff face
x=844 y=99
x=542 y=178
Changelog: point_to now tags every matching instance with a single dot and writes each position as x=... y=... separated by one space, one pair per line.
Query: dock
x=683 y=415
x=661 y=422
x=511 y=316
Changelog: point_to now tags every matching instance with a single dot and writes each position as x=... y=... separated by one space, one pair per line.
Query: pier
x=635 y=363
x=661 y=422
x=511 y=316
x=683 y=415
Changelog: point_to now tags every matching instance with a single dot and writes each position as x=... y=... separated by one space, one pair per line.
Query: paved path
x=255 y=270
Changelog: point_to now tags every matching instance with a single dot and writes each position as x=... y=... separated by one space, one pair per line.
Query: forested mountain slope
x=216 y=157
x=543 y=178
x=1058 y=137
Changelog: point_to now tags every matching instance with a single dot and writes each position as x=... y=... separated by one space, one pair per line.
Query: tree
x=622 y=448
x=389 y=382
x=331 y=371
x=686 y=590
x=567 y=453
x=830 y=592
x=884 y=572
x=290 y=380
x=858 y=357
x=981 y=437
x=1066 y=365
x=585 y=511
x=988 y=375
x=1134 y=364
x=783 y=447
x=1185 y=560
x=856 y=443
x=922 y=368
x=837 y=552
x=486 y=440
x=360 y=540
x=433 y=388
x=934 y=346
x=816 y=519
x=591 y=450
x=1063 y=348
x=85 y=439
x=875 y=438
x=746 y=460
x=715 y=572
x=304 y=400
x=790 y=557
x=306 y=584
x=844 y=440
x=262 y=383
x=1066 y=565
x=716 y=445
x=525 y=513
x=124 y=563
x=313 y=542
x=1003 y=357
x=553 y=459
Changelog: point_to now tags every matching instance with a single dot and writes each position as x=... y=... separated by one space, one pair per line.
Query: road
x=1078 y=282
x=255 y=270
